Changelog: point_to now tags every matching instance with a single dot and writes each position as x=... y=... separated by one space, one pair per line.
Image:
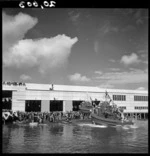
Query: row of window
x=122 y=107
x=140 y=98
x=140 y=107
x=123 y=98
x=119 y=97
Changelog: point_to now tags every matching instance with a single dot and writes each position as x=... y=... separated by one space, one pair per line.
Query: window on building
x=140 y=107
x=119 y=97
x=140 y=98
x=122 y=107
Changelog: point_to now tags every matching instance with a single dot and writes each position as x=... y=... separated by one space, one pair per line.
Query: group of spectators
x=9 y=116
x=14 y=83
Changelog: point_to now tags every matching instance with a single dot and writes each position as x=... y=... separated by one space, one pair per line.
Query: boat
x=85 y=107
x=33 y=123
x=99 y=120
x=109 y=114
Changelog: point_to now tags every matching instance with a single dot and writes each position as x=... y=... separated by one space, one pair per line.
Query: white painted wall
x=19 y=96
x=45 y=106
x=67 y=106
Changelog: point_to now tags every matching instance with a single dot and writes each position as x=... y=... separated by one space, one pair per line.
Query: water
x=81 y=138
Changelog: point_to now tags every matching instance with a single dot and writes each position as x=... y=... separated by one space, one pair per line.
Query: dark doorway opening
x=33 y=106
x=56 y=105
x=7 y=100
x=76 y=105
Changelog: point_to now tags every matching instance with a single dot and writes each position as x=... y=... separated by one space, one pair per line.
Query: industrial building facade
x=49 y=97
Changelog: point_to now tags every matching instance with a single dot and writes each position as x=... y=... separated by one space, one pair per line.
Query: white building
x=49 y=97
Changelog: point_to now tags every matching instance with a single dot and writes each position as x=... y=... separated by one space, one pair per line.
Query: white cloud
x=140 y=88
x=130 y=59
x=25 y=77
x=78 y=78
x=98 y=72
x=134 y=76
x=15 y=27
x=44 y=53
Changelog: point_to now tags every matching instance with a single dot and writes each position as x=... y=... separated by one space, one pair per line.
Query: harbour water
x=81 y=138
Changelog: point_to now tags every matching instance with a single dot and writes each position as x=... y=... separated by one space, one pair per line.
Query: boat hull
x=109 y=122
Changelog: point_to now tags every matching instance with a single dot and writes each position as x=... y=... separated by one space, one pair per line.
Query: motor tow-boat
x=107 y=113
x=100 y=120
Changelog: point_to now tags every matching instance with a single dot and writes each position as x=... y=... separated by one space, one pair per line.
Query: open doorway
x=7 y=100
x=76 y=105
x=33 y=106
x=56 y=105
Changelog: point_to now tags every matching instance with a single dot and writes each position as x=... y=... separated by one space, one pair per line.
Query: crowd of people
x=9 y=116
x=13 y=83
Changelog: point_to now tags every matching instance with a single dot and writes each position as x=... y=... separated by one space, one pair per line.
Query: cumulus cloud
x=44 y=53
x=15 y=27
x=25 y=77
x=78 y=78
x=130 y=59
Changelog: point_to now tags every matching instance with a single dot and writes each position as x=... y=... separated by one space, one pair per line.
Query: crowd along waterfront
x=72 y=131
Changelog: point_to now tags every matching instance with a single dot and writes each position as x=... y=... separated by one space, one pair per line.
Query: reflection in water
x=67 y=138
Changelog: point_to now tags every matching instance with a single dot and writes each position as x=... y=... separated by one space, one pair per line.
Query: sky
x=107 y=48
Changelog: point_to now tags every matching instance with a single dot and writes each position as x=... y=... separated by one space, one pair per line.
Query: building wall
x=18 y=100
x=20 y=94
x=130 y=104
x=45 y=106
x=67 y=105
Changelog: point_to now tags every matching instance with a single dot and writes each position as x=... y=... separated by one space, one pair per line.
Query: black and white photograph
x=74 y=80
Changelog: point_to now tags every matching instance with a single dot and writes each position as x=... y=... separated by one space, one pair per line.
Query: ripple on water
x=82 y=138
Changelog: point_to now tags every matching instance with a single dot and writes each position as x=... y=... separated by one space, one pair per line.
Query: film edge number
x=35 y=4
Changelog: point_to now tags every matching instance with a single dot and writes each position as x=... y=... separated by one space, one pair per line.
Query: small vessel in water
x=109 y=115
x=100 y=120
x=33 y=123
